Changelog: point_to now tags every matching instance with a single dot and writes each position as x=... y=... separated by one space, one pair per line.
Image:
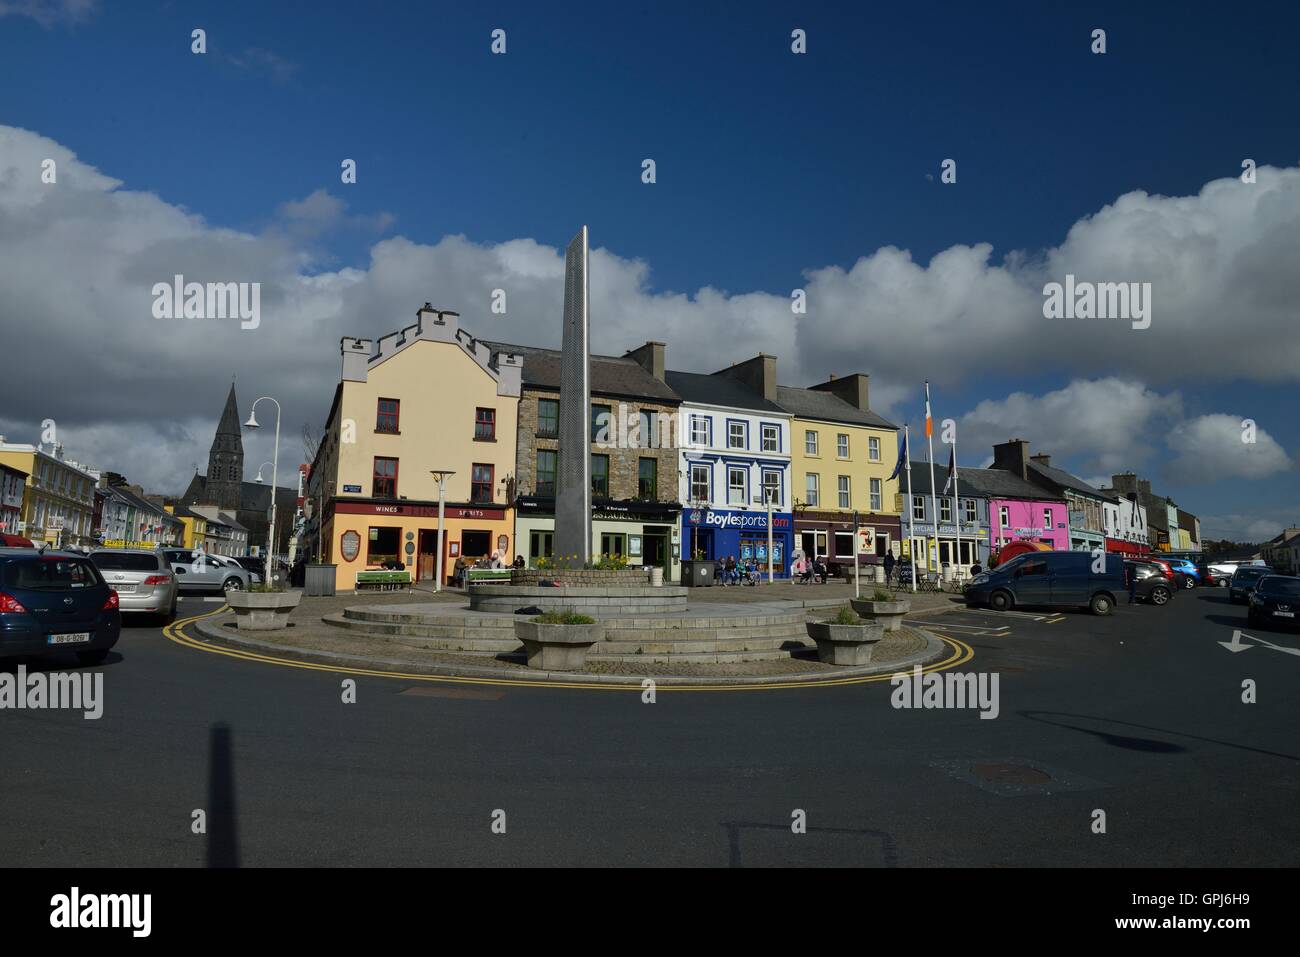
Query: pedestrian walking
x=889 y=568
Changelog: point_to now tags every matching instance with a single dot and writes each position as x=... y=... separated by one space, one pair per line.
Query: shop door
x=655 y=549
x=426 y=565
x=813 y=543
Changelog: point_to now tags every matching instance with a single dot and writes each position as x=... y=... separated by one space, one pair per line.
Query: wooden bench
x=473 y=575
x=383 y=580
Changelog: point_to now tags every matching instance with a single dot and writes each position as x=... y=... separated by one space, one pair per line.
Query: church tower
x=226 y=459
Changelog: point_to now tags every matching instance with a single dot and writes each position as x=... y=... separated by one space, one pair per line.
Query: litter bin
x=697 y=574
x=319 y=580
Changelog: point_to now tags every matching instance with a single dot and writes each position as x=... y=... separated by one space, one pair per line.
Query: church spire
x=229 y=424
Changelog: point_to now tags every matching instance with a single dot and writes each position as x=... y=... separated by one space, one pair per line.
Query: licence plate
x=71 y=638
x=1283 y=614
x=121 y=589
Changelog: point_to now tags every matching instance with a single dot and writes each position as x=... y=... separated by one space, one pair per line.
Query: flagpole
x=956 y=506
x=911 y=521
x=934 y=497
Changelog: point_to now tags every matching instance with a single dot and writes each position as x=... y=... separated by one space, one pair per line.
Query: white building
x=1124 y=519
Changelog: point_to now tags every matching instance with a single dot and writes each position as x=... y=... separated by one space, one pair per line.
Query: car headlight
x=979 y=579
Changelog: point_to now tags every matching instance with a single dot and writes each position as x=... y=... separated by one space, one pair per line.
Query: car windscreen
x=1273 y=585
x=1249 y=573
x=125 y=561
x=49 y=574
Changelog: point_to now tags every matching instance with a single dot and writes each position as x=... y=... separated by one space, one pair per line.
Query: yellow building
x=196 y=526
x=428 y=397
x=842 y=455
x=59 y=498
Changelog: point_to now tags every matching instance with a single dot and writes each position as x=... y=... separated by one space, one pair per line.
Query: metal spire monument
x=572 y=541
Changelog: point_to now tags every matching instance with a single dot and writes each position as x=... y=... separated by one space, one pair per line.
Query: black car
x=1275 y=601
x=1152 y=585
x=1243 y=582
x=53 y=601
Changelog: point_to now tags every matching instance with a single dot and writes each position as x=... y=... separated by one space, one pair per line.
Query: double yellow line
x=962 y=653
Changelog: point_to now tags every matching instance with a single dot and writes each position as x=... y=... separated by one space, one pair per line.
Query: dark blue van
x=54 y=601
x=1052 y=578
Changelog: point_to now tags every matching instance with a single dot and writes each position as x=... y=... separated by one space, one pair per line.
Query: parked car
x=1058 y=578
x=1152 y=585
x=257 y=567
x=1275 y=601
x=1243 y=582
x=51 y=601
x=1222 y=572
x=1191 y=575
x=144 y=581
x=215 y=573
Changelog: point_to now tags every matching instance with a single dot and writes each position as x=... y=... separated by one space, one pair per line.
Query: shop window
x=481 y=483
x=548 y=418
x=843 y=544
x=541 y=544
x=613 y=543
x=384 y=479
x=600 y=476
x=547 y=463
x=386 y=417
x=384 y=545
x=485 y=425
x=475 y=544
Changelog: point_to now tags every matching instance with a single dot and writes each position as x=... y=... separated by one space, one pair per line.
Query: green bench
x=383 y=580
x=473 y=575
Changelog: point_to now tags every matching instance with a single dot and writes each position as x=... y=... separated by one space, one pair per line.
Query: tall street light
x=440 y=476
x=275 y=472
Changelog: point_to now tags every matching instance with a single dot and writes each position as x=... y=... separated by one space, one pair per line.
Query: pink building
x=1031 y=520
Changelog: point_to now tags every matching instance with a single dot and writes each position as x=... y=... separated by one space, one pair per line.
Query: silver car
x=143 y=580
x=214 y=573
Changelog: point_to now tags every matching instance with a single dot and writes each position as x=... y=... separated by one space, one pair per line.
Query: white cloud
x=1210 y=448
x=50 y=12
x=78 y=260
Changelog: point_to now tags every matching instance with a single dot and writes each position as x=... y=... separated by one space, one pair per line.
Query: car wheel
x=1223 y=583
x=1159 y=596
x=232 y=584
x=1000 y=601
x=1189 y=582
x=1101 y=605
x=92 y=657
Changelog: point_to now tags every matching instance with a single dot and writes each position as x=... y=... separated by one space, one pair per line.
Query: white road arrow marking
x=1235 y=644
x=1269 y=644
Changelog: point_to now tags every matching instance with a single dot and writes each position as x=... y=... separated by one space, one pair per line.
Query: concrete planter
x=262 y=611
x=319 y=579
x=845 y=644
x=887 y=613
x=558 y=647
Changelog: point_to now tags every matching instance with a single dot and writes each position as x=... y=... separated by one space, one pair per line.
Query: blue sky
x=769 y=165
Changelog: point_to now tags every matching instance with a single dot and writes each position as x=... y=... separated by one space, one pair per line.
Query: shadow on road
x=1139 y=744
x=223 y=836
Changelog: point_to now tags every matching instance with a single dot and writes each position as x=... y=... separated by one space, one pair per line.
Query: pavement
x=1139 y=716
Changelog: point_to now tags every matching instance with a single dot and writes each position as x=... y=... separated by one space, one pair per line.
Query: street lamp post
x=440 y=476
x=275 y=473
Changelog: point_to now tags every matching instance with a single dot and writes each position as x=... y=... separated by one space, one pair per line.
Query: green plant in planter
x=844 y=615
x=564 y=618
x=881 y=595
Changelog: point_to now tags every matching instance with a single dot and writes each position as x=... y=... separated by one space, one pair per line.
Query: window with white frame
x=945 y=510
x=699 y=430
x=842 y=445
x=1004 y=516
x=810 y=442
x=873 y=448
x=876 y=495
x=736 y=437
x=813 y=488
x=918 y=508
x=771 y=438
x=968 y=505
x=700 y=482
x=844 y=491
x=1047 y=519
x=772 y=486
x=737 y=482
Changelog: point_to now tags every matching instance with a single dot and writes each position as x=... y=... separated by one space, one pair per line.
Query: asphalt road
x=1138 y=715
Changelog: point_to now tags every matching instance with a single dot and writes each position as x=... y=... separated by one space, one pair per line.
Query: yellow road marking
x=962 y=653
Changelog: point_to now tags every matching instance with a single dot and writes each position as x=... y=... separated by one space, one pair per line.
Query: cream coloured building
x=425 y=398
x=59 y=498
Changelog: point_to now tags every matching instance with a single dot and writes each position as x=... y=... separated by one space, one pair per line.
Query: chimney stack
x=1012 y=456
x=649 y=357
x=759 y=373
x=1043 y=459
x=356 y=358
x=853 y=389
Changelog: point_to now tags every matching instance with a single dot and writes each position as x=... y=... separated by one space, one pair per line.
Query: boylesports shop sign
x=716 y=518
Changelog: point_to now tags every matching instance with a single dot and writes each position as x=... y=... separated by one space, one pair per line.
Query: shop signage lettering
x=734 y=519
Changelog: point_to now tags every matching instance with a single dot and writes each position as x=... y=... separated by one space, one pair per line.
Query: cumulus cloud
x=79 y=258
x=1214 y=447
